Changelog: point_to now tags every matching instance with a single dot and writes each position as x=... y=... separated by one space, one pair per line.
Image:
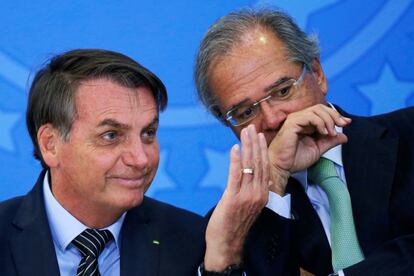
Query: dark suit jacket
x=379 y=169
x=26 y=246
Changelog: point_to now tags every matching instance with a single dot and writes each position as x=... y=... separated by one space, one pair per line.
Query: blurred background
x=366 y=50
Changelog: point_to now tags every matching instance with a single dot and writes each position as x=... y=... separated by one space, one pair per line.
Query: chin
x=129 y=201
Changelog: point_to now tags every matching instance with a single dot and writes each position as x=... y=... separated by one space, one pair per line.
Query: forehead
x=252 y=64
x=102 y=98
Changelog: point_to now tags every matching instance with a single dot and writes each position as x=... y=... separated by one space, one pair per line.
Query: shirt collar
x=64 y=226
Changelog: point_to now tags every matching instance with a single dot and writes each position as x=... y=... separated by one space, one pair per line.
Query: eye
x=284 y=91
x=149 y=135
x=110 y=136
x=244 y=113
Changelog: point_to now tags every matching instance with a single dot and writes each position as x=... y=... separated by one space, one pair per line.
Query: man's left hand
x=242 y=201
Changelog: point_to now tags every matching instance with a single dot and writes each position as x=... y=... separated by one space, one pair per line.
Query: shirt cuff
x=280 y=205
x=341 y=273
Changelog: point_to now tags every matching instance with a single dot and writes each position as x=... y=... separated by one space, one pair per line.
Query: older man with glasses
x=341 y=185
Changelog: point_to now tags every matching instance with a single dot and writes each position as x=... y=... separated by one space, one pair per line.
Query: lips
x=129 y=181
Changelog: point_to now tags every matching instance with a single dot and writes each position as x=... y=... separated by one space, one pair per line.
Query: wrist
x=279 y=179
x=215 y=261
x=231 y=270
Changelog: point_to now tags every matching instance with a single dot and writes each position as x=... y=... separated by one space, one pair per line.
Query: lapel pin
x=156 y=242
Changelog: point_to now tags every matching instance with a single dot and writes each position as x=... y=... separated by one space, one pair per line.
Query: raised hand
x=242 y=201
x=303 y=138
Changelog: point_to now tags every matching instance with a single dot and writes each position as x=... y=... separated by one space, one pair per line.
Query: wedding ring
x=248 y=171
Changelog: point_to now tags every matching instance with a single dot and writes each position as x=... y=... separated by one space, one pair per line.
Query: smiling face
x=250 y=71
x=111 y=155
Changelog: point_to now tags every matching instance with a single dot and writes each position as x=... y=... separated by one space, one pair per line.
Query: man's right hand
x=300 y=142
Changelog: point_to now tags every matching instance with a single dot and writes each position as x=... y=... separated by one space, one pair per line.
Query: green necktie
x=345 y=247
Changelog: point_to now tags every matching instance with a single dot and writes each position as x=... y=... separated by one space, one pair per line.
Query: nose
x=135 y=155
x=271 y=118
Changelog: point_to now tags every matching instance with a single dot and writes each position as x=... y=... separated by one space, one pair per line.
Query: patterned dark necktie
x=346 y=250
x=90 y=244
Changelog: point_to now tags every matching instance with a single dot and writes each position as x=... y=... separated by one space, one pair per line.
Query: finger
x=328 y=142
x=256 y=156
x=315 y=123
x=234 y=180
x=265 y=161
x=336 y=117
x=246 y=154
x=328 y=116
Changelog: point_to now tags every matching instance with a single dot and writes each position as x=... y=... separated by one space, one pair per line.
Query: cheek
x=99 y=163
x=236 y=131
x=313 y=93
x=153 y=153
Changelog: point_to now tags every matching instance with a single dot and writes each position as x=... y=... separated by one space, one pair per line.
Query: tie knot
x=322 y=170
x=91 y=242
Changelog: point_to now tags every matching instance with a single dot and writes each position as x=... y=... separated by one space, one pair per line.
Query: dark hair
x=227 y=32
x=52 y=93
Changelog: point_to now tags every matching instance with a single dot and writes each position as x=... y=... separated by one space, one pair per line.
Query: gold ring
x=248 y=171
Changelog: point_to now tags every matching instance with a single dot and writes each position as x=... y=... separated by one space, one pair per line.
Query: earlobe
x=48 y=140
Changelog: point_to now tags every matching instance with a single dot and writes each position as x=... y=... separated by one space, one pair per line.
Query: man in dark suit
x=342 y=186
x=93 y=119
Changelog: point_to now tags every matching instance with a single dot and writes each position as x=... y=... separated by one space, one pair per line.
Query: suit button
x=272 y=248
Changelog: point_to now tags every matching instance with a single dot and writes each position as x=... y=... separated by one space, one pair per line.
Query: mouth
x=129 y=182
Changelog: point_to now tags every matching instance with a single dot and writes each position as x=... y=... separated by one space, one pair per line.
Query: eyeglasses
x=249 y=109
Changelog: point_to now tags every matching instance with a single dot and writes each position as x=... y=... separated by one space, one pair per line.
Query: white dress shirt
x=65 y=227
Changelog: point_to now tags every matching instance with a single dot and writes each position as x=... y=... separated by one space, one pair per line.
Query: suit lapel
x=139 y=248
x=312 y=243
x=31 y=244
x=369 y=163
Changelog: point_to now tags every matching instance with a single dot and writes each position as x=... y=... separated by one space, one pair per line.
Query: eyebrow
x=116 y=124
x=276 y=84
x=238 y=105
x=266 y=90
x=113 y=123
x=153 y=123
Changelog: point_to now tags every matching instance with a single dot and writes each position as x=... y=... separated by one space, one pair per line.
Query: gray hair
x=228 y=31
x=52 y=93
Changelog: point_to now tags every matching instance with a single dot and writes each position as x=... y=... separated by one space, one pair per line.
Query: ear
x=49 y=139
x=320 y=76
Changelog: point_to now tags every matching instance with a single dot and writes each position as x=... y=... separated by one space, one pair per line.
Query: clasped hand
x=303 y=138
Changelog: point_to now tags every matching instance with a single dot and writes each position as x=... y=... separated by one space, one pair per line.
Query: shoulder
x=398 y=118
x=399 y=122
x=8 y=211
x=9 y=207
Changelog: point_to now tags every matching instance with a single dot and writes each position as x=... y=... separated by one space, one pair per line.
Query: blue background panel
x=366 y=50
